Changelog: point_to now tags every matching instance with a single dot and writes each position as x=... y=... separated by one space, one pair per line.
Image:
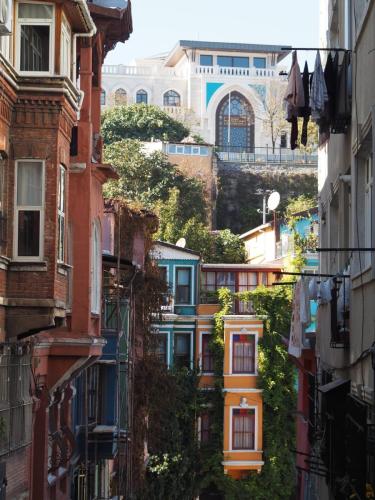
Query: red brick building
x=51 y=210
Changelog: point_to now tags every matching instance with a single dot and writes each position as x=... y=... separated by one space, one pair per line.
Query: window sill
x=31 y=266
x=4 y=262
x=63 y=268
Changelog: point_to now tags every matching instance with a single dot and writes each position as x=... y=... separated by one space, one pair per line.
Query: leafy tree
x=200 y=238
x=149 y=178
x=229 y=248
x=219 y=246
x=302 y=202
x=140 y=121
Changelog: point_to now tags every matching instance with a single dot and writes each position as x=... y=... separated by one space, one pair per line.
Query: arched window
x=172 y=98
x=235 y=123
x=102 y=97
x=141 y=97
x=96 y=268
x=120 y=97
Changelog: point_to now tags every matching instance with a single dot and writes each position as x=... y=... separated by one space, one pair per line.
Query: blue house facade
x=176 y=331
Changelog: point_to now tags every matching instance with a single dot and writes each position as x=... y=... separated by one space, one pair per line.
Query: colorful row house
x=185 y=332
x=264 y=244
x=51 y=204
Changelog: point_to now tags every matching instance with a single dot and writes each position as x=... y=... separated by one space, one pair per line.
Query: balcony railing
x=239 y=306
x=266 y=154
x=237 y=72
x=121 y=69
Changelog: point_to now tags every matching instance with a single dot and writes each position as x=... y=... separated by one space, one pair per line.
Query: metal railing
x=15 y=400
x=266 y=154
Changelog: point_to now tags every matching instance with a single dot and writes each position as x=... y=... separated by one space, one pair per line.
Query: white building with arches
x=218 y=89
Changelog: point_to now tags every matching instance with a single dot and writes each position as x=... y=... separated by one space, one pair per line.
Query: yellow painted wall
x=237 y=387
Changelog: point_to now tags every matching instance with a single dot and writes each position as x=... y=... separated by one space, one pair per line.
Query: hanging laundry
x=326 y=118
x=295 y=99
x=295 y=338
x=313 y=289
x=318 y=91
x=305 y=111
x=324 y=291
x=305 y=313
x=342 y=109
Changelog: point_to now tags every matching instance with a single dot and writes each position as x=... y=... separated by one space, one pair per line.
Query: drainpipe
x=91 y=25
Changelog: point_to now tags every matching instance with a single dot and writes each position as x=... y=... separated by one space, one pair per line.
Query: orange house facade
x=185 y=333
x=243 y=402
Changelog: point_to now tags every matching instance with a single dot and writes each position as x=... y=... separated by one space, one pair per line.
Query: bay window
x=29 y=209
x=35 y=37
x=66 y=48
x=243 y=429
x=183 y=285
x=61 y=214
x=243 y=353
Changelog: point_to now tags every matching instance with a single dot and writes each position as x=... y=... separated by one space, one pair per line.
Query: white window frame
x=192 y=291
x=66 y=59
x=255 y=374
x=5 y=44
x=95 y=268
x=184 y=332
x=168 y=347
x=61 y=213
x=231 y=408
x=36 y=22
x=40 y=208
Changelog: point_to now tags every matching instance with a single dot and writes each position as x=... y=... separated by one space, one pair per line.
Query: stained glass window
x=235 y=123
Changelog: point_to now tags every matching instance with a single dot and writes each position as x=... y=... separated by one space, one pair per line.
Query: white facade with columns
x=245 y=69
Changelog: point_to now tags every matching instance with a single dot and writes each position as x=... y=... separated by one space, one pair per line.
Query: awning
x=335 y=384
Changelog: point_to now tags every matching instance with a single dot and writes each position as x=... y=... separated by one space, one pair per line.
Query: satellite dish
x=181 y=243
x=273 y=201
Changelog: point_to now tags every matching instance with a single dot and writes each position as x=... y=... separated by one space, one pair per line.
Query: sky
x=159 y=24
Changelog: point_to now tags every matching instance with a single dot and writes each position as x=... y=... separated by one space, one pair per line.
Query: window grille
x=15 y=400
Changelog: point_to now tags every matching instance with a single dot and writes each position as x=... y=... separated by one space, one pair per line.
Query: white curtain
x=29 y=184
x=244 y=356
x=243 y=431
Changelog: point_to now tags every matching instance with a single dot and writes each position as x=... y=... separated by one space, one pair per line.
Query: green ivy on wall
x=276 y=379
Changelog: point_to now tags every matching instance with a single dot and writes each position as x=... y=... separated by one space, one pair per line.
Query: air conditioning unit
x=6 y=7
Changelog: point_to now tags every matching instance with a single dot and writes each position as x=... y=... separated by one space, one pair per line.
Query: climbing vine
x=276 y=379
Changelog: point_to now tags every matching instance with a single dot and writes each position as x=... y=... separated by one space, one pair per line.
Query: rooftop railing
x=238 y=72
x=121 y=69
